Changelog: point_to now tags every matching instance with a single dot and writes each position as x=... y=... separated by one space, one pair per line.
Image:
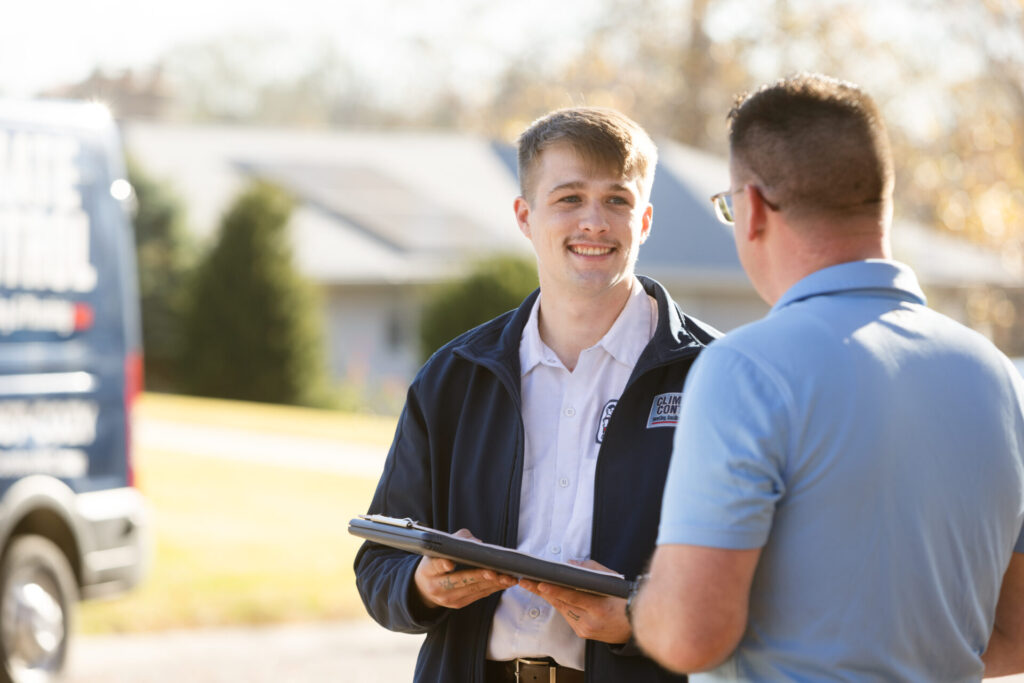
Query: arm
x=403 y=591
x=692 y=611
x=1005 y=652
x=724 y=481
x=385 y=576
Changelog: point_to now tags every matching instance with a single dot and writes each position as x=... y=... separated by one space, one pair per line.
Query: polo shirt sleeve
x=727 y=467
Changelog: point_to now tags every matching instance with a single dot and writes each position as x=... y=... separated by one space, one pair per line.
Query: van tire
x=37 y=598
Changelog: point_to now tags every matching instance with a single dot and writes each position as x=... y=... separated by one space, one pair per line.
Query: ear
x=757 y=218
x=648 y=219
x=522 y=211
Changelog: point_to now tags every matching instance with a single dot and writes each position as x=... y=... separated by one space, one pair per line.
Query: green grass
x=241 y=543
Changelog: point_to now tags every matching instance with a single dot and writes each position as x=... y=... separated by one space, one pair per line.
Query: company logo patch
x=665 y=410
x=606 y=414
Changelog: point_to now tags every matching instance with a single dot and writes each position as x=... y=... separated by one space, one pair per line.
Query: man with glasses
x=846 y=493
x=548 y=429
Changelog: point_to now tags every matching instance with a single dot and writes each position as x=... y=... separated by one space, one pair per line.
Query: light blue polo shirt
x=873 y=448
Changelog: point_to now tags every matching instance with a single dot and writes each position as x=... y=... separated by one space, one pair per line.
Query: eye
x=570 y=198
x=615 y=199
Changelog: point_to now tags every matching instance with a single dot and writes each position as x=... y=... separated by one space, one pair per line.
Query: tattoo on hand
x=573 y=615
x=447 y=584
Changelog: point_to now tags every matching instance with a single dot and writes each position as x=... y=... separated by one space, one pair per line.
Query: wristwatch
x=634 y=589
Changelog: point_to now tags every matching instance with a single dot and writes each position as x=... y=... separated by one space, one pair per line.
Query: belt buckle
x=552 y=670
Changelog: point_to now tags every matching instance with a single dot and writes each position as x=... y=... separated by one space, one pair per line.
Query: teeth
x=591 y=251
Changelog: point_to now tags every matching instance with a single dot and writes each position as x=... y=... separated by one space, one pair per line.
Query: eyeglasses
x=723 y=204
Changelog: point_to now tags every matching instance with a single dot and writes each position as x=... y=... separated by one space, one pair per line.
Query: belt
x=530 y=671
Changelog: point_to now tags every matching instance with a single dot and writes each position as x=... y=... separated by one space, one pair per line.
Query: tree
x=492 y=287
x=253 y=329
x=164 y=260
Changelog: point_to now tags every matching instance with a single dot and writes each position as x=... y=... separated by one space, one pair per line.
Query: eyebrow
x=579 y=184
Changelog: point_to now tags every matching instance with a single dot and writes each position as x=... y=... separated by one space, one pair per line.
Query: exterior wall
x=724 y=307
x=371 y=335
x=724 y=310
x=372 y=332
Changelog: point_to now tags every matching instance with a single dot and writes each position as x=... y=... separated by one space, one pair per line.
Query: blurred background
x=324 y=197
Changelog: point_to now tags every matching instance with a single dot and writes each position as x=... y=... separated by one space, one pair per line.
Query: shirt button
x=563 y=482
x=569 y=412
x=555 y=549
x=533 y=613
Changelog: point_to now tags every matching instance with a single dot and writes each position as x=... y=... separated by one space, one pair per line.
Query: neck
x=800 y=254
x=570 y=323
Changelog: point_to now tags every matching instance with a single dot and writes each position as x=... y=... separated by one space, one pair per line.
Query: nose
x=593 y=218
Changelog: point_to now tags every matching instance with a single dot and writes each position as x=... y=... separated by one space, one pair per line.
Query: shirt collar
x=893 y=277
x=624 y=341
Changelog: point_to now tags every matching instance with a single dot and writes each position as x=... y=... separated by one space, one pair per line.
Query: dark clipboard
x=407 y=535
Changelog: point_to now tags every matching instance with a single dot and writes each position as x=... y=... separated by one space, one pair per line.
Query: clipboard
x=405 y=534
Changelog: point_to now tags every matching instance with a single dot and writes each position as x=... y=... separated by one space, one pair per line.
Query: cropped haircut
x=818 y=144
x=604 y=138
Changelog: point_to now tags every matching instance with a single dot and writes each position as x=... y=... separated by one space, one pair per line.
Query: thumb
x=592 y=564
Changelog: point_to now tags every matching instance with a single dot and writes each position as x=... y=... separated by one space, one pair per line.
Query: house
x=382 y=216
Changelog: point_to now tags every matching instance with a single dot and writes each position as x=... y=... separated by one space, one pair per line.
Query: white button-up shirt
x=564 y=416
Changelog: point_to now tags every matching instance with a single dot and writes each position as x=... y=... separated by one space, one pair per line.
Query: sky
x=44 y=43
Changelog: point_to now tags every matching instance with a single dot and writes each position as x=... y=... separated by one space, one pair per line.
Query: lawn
x=241 y=543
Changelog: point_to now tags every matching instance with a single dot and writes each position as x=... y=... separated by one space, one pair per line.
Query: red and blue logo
x=665 y=410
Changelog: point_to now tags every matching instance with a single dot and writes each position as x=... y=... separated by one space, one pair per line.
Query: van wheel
x=37 y=596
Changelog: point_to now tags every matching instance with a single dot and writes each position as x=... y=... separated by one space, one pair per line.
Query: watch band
x=634 y=590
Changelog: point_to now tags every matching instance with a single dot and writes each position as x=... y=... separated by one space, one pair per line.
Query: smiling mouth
x=590 y=251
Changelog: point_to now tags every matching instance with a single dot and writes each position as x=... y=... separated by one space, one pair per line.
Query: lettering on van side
x=44 y=231
x=48 y=422
x=29 y=313
x=46 y=436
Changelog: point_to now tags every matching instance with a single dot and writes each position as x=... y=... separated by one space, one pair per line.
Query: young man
x=541 y=430
x=846 y=490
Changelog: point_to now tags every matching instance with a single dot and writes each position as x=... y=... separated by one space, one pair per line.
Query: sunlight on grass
x=370 y=430
x=240 y=543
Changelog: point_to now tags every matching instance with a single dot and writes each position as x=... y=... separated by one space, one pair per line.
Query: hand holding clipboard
x=405 y=534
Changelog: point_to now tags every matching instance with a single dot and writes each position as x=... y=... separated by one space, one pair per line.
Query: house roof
x=406 y=207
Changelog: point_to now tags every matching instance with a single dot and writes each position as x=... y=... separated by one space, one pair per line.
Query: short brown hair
x=602 y=136
x=819 y=145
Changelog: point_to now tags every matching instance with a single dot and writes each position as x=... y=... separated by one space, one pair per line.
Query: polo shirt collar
x=624 y=341
x=889 y=278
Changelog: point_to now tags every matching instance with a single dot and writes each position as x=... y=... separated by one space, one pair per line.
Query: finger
x=435 y=566
x=593 y=564
x=460 y=595
x=529 y=585
x=465 y=533
x=566 y=595
x=504 y=579
x=454 y=581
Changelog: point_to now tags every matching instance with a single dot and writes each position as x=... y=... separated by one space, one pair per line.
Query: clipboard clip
x=404 y=522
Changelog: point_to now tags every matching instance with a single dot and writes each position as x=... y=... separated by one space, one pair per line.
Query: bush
x=493 y=286
x=253 y=328
x=165 y=259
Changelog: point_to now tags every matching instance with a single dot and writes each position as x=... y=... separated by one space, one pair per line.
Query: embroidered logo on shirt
x=606 y=414
x=665 y=410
